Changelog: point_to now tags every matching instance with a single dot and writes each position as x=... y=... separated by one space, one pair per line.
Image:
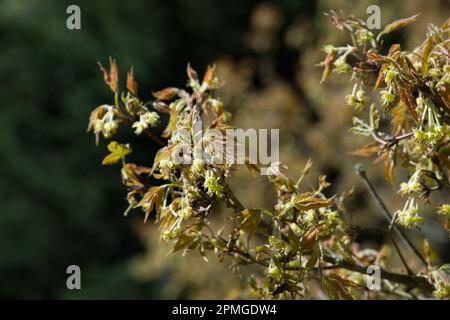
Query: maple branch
x=362 y=173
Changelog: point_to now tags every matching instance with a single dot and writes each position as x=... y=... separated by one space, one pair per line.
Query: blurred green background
x=60 y=206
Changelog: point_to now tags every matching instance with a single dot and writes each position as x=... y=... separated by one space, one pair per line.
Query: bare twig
x=362 y=173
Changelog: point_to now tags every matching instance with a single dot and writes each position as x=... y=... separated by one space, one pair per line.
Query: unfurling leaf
x=407 y=98
x=192 y=74
x=309 y=240
x=305 y=171
x=294 y=240
x=166 y=93
x=112 y=77
x=328 y=65
x=308 y=201
x=131 y=82
x=210 y=75
x=390 y=165
x=152 y=199
x=425 y=54
x=188 y=240
x=335 y=287
x=374 y=117
x=131 y=175
x=250 y=221
x=367 y=150
x=397 y=24
x=117 y=151
x=171 y=126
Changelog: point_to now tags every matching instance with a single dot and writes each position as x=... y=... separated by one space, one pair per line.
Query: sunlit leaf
x=117 y=152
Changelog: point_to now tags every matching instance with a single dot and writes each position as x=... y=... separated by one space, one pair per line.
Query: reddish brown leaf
x=166 y=93
x=367 y=150
x=131 y=82
x=210 y=74
x=112 y=77
x=380 y=76
x=390 y=165
x=407 y=98
x=192 y=74
x=397 y=24
x=328 y=65
x=425 y=54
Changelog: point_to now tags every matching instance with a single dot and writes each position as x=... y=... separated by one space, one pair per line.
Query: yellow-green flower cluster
x=413 y=186
x=197 y=166
x=390 y=75
x=409 y=217
x=444 y=209
x=212 y=184
x=363 y=36
x=432 y=135
x=107 y=125
x=357 y=100
x=148 y=119
x=387 y=97
x=342 y=67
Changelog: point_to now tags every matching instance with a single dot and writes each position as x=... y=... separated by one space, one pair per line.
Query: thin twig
x=362 y=173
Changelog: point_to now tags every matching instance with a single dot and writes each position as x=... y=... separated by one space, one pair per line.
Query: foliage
x=304 y=239
x=414 y=92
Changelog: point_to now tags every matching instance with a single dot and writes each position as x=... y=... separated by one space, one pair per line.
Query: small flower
x=197 y=166
x=413 y=186
x=409 y=216
x=106 y=125
x=342 y=67
x=145 y=120
x=444 y=209
x=186 y=212
x=332 y=216
x=151 y=118
x=419 y=135
x=140 y=126
x=109 y=128
x=387 y=97
x=363 y=35
x=443 y=292
x=433 y=72
x=420 y=101
x=358 y=100
x=212 y=184
x=433 y=135
x=390 y=75
x=309 y=216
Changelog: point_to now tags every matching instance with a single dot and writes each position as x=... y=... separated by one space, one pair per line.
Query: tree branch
x=362 y=173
